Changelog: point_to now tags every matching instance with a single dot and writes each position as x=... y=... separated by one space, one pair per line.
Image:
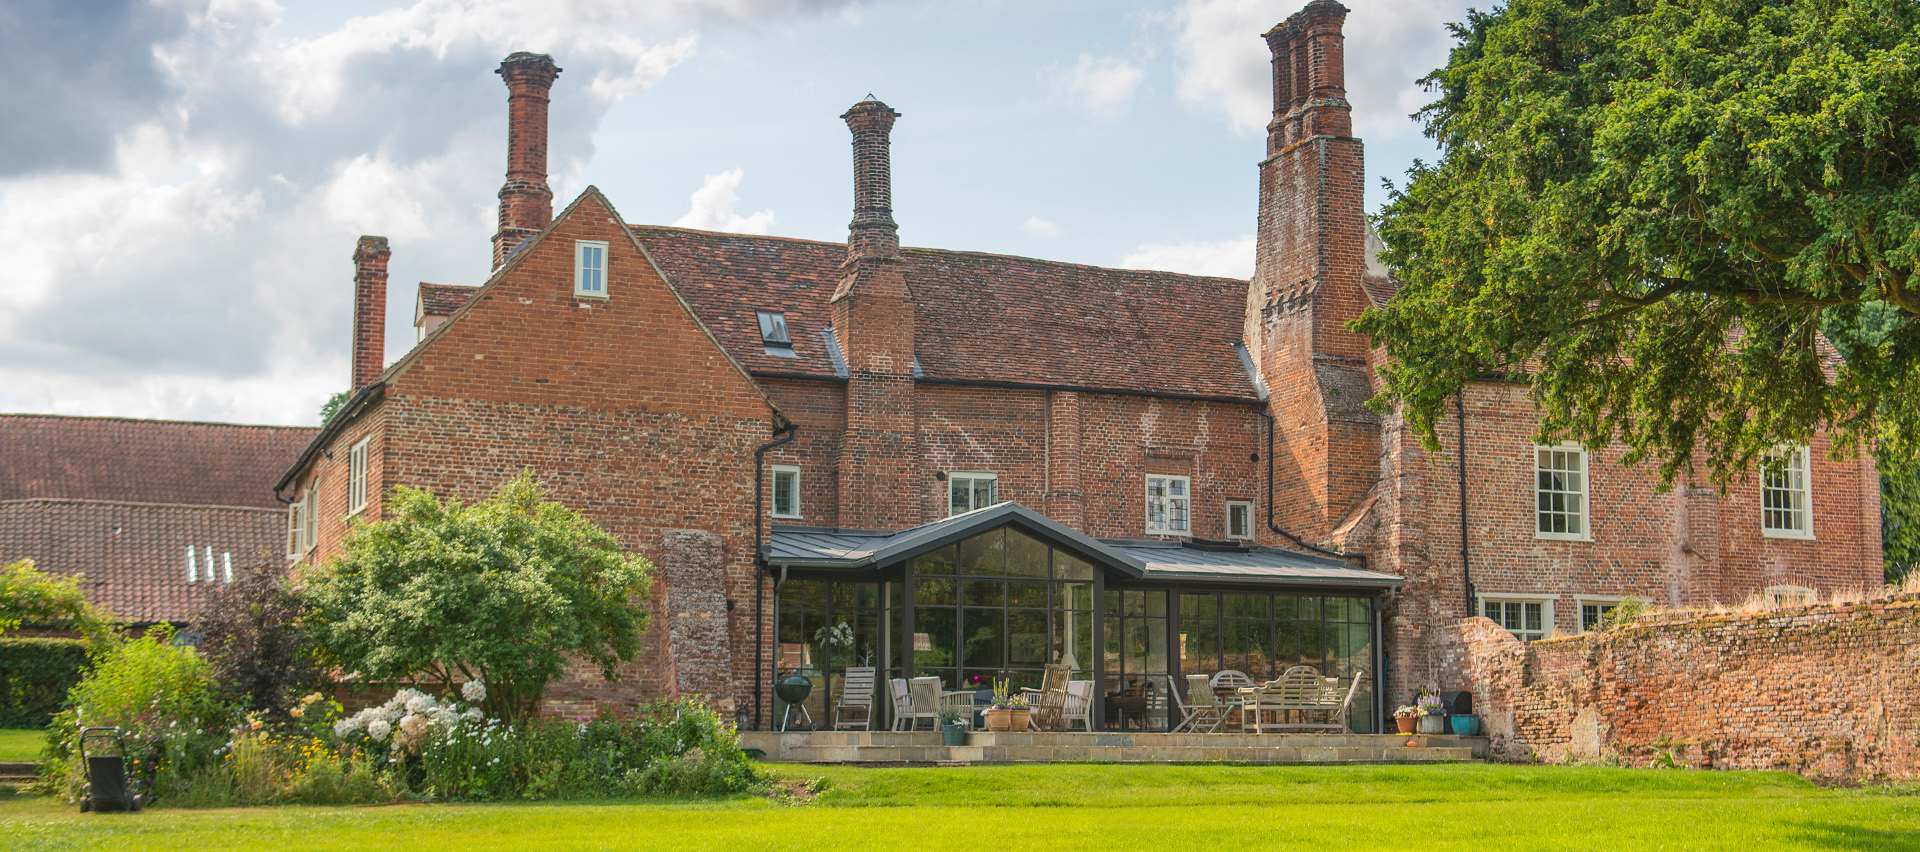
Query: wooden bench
x=1303 y=691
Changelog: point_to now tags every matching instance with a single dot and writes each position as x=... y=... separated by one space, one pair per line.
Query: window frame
x=1548 y=628
x=1167 y=529
x=1585 y=492
x=1248 y=535
x=955 y=477
x=357 y=473
x=1581 y=602
x=773 y=499
x=313 y=518
x=297 y=527
x=580 y=268
x=1804 y=457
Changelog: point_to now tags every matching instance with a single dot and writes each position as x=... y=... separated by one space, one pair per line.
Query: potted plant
x=1009 y=713
x=1432 y=713
x=1405 y=717
x=952 y=729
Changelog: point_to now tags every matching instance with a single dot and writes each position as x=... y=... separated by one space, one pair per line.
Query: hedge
x=35 y=675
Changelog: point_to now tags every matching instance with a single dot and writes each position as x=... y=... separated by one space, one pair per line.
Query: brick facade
x=1071 y=384
x=1824 y=691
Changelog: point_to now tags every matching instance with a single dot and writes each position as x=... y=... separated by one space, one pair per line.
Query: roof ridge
x=94 y=501
x=152 y=420
x=930 y=250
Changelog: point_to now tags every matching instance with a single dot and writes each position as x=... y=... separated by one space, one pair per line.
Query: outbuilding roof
x=144 y=461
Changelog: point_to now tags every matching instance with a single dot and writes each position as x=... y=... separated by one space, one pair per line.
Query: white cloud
x=713 y=205
x=1225 y=65
x=1038 y=227
x=1225 y=258
x=1105 y=85
x=198 y=266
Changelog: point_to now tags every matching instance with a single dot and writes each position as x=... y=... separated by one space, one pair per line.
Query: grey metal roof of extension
x=805 y=547
x=1178 y=561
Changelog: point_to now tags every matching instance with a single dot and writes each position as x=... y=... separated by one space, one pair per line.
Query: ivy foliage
x=1651 y=209
x=32 y=598
x=502 y=591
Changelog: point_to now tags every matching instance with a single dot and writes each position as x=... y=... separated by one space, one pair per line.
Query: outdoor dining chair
x=902 y=701
x=856 y=698
x=1079 y=706
x=923 y=702
x=1200 y=706
x=1050 y=700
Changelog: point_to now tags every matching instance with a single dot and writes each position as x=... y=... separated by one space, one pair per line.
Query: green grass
x=1442 y=807
x=19 y=746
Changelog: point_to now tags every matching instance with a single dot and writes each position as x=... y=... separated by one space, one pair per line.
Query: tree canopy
x=501 y=591
x=1651 y=209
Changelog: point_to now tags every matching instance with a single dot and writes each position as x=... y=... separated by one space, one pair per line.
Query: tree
x=1649 y=209
x=256 y=639
x=332 y=405
x=501 y=591
x=29 y=597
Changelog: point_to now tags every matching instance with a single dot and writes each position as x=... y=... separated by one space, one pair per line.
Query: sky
x=184 y=180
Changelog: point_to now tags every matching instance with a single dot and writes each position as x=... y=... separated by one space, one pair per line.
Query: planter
x=1433 y=724
x=1466 y=725
x=1011 y=720
x=954 y=734
x=1406 y=723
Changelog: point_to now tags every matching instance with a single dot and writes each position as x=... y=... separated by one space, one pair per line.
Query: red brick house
x=154 y=513
x=968 y=465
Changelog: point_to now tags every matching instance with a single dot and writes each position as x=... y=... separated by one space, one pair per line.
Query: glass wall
x=1135 y=682
x=1001 y=604
x=1266 y=634
x=825 y=627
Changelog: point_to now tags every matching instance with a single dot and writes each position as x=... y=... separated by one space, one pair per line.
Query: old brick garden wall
x=1824 y=691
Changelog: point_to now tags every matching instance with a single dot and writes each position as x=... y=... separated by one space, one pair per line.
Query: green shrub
x=163 y=699
x=35 y=676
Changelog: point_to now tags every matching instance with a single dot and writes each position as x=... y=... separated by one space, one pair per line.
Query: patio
x=891 y=747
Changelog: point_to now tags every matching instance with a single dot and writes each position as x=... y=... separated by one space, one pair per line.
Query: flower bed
x=415 y=746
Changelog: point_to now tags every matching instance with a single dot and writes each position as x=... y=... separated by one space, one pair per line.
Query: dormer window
x=590 y=268
x=773 y=334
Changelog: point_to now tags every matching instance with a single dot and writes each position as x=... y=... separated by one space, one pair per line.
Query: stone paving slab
x=923 y=748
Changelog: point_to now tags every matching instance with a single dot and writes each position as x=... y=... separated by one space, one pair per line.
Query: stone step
x=1058 y=754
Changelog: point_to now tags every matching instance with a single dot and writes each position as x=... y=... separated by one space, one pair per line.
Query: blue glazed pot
x=1466 y=726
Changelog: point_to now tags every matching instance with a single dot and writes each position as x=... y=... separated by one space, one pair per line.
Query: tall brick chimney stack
x=872 y=314
x=370 y=256
x=872 y=232
x=526 y=203
x=1310 y=256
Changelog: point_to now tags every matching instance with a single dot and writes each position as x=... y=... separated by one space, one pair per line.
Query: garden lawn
x=18 y=746
x=1080 y=806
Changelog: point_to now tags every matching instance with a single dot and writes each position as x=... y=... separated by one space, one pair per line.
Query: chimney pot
x=872 y=233
x=526 y=202
x=370 y=257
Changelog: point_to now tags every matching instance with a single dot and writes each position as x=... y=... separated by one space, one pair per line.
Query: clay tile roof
x=144 y=461
x=441 y=300
x=980 y=317
x=134 y=554
x=1379 y=288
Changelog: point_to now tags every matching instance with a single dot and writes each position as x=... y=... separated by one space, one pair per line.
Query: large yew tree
x=1652 y=209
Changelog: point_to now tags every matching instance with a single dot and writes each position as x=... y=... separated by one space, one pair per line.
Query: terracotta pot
x=1012 y=720
x=1405 y=723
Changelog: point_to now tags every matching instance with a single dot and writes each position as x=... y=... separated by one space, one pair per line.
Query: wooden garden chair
x=1079 y=706
x=1049 y=702
x=856 y=695
x=923 y=702
x=1200 y=706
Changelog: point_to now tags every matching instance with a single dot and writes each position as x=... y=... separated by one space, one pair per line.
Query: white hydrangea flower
x=419 y=704
x=378 y=729
x=473 y=690
x=413 y=725
x=473 y=715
